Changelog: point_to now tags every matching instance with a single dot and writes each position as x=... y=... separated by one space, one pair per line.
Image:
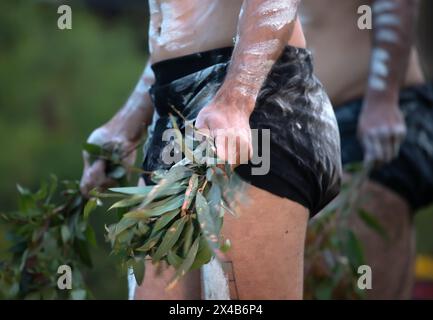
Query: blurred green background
x=56 y=86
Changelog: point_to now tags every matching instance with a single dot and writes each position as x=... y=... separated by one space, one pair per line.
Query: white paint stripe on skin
x=377 y=83
x=379 y=61
x=383 y=6
x=277 y=14
x=141 y=87
x=263 y=48
x=272 y=6
x=388 y=19
x=387 y=35
x=252 y=76
x=379 y=69
x=278 y=20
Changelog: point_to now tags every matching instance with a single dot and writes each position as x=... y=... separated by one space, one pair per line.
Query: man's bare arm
x=382 y=127
x=125 y=128
x=263 y=30
x=137 y=113
x=393 y=34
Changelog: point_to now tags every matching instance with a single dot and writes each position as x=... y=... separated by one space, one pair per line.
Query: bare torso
x=341 y=50
x=184 y=27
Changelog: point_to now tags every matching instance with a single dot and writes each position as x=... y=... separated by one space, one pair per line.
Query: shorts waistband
x=169 y=70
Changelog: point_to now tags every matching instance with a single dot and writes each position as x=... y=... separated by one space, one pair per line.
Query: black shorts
x=305 y=163
x=411 y=173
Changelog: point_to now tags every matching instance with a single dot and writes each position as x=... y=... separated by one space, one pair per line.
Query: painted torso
x=179 y=28
x=341 y=50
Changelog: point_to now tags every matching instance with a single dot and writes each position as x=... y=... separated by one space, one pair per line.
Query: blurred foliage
x=55 y=88
x=333 y=251
x=49 y=230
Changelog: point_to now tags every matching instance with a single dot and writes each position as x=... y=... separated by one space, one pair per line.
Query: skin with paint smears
x=381 y=126
x=264 y=29
x=184 y=27
x=366 y=64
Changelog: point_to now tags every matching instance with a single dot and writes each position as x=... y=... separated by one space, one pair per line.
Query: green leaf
x=170 y=190
x=175 y=174
x=353 y=250
x=226 y=246
x=139 y=267
x=150 y=243
x=124 y=224
x=207 y=222
x=157 y=210
x=128 y=202
x=133 y=190
x=89 y=207
x=23 y=191
x=190 y=192
x=173 y=259
x=165 y=219
x=142 y=228
x=372 y=223
x=90 y=236
x=65 y=233
x=170 y=238
x=204 y=254
x=189 y=232
x=186 y=264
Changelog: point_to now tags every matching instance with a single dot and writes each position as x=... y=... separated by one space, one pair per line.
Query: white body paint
x=276 y=14
x=387 y=23
x=379 y=69
x=387 y=20
x=132 y=284
x=188 y=26
x=387 y=35
x=383 y=6
x=214 y=282
x=253 y=70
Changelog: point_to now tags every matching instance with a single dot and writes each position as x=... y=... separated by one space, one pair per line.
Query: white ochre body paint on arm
x=261 y=29
x=387 y=26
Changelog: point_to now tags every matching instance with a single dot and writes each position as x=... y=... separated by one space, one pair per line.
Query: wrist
x=389 y=99
x=229 y=98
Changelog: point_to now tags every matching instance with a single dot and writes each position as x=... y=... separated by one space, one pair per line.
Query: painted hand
x=381 y=130
x=95 y=173
x=230 y=130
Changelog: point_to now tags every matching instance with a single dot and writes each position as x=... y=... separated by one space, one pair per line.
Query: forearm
x=263 y=31
x=393 y=34
x=137 y=112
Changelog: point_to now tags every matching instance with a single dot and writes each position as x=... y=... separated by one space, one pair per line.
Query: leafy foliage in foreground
x=48 y=230
x=178 y=220
x=333 y=252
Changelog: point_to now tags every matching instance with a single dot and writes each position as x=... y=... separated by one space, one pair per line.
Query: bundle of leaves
x=179 y=219
x=49 y=230
x=333 y=252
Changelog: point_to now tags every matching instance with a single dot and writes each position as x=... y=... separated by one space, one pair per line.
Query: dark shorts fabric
x=411 y=173
x=305 y=163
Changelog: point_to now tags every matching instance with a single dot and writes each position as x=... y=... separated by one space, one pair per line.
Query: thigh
x=266 y=258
